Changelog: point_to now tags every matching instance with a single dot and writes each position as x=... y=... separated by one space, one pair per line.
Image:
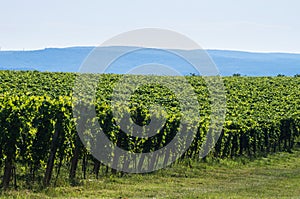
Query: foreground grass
x=277 y=176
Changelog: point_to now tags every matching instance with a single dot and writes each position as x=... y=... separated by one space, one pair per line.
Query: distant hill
x=228 y=62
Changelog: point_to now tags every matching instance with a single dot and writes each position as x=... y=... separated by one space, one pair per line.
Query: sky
x=256 y=25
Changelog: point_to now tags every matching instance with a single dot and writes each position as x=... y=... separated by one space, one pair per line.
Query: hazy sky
x=256 y=25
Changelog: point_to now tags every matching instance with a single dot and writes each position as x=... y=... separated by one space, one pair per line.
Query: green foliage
x=297 y=75
x=36 y=120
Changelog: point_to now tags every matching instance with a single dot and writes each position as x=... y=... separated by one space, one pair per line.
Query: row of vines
x=39 y=137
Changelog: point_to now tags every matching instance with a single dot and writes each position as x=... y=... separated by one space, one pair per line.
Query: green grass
x=275 y=176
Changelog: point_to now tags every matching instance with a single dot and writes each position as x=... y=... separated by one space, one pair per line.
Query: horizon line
x=206 y=49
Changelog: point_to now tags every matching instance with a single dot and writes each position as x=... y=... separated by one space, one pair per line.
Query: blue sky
x=257 y=25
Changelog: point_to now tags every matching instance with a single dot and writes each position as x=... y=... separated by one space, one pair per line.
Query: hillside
x=228 y=62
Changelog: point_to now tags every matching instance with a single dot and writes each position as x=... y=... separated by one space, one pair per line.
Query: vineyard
x=39 y=136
